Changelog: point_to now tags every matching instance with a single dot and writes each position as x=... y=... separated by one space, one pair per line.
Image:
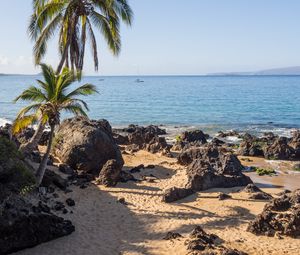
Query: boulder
x=157 y=144
x=210 y=153
x=280 y=149
x=149 y=129
x=194 y=136
x=120 y=139
x=203 y=175
x=86 y=144
x=201 y=242
x=53 y=179
x=24 y=226
x=295 y=143
x=250 y=148
x=174 y=194
x=110 y=173
x=140 y=137
x=281 y=215
x=228 y=133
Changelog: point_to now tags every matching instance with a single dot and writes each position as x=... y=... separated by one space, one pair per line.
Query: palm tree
x=48 y=100
x=75 y=20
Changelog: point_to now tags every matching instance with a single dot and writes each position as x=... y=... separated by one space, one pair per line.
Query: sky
x=175 y=37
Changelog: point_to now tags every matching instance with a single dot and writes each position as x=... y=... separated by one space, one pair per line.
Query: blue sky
x=176 y=37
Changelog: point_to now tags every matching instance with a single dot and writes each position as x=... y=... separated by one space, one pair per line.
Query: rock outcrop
x=295 y=144
x=203 y=175
x=281 y=215
x=201 y=242
x=110 y=173
x=23 y=224
x=280 y=149
x=86 y=144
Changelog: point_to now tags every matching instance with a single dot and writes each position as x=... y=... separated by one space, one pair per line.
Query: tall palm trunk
x=42 y=168
x=28 y=147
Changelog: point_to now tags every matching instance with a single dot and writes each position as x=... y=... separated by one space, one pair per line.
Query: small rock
x=172 y=235
x=223 y=196
x=122 y=201
x=137 y=169
x=70 y=202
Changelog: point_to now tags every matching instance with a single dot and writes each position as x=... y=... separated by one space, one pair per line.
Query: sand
x=106 y=227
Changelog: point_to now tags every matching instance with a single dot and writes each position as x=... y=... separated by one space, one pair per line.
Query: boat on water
x=139 y=80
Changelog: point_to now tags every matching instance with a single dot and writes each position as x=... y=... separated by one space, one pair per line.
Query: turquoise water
x=257 y=103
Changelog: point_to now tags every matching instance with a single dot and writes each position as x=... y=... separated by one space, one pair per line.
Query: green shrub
x=178 y=138
x=262 y=171
x=15 y=172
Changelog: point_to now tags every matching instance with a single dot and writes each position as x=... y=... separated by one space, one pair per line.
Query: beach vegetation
x=264 y=171
x=48 y=99
x=14 y=171
x=178 y=138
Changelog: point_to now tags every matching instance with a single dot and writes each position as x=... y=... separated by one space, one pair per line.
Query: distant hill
x=293 y=70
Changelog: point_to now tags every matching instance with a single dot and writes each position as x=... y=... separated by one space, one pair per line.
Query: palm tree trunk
x=42 y=168
x=28 y=147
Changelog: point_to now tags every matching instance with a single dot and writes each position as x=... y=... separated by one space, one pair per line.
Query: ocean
x=254 y=104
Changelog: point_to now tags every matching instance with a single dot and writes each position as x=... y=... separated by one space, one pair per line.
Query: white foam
x=3 y=122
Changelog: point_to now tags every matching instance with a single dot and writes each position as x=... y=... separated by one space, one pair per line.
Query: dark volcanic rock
x=137 y=169
x=120 y=139
x=174 y=194
x=157 y=144
x=223 y=196
x=260 y=196
x=281 y=215
x=22 y=226
x=125 y=177
x=149 y=129
x=66 y=169
x=172 y=236
x=52 y=178
x=86 y=144
x=70 y=202
x=280 y=150
x=256 y=193
x=250 y=148
x=203 y=175
x=295 y=144
x=251 y=188
x=110 y=173
x=210 y=153
x=228 y=133
x=201 y=242
x=194 y=136
x=210 y=166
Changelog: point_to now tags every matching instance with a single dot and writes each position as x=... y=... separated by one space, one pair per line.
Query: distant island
x=293 y=70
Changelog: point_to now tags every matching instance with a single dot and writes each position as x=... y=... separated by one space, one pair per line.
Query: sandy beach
x=106 y=226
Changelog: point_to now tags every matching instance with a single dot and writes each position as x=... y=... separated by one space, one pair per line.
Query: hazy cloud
x=4 y=60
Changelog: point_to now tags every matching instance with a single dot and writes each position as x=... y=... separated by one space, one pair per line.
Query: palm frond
x=31 y=94
x=23 y=122
x=84 y=90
